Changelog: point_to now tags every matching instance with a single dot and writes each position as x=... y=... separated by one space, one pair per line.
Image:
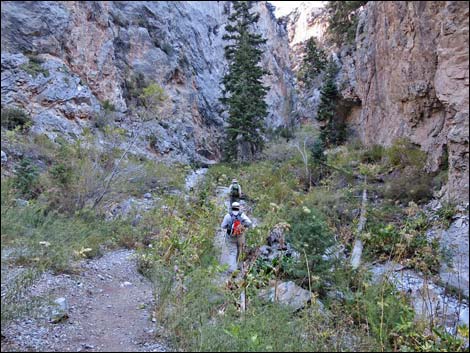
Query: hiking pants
x=236 y=246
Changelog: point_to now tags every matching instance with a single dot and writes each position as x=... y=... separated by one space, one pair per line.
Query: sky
x=284 y=7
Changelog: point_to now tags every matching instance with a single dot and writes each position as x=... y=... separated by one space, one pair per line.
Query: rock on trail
x=109 y=310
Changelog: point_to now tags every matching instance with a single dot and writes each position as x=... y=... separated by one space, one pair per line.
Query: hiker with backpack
x=235 y=191
x=235 y=222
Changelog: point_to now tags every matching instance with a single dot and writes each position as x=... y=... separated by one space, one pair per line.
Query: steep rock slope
x=406 y=75
x=412 y=79
x=62 y=60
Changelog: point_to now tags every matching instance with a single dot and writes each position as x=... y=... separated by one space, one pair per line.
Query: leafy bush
x=403 y=153
x=383 y=309
x=405 y=242
x=310 y=236
x=12 y=118
x=373 y=154
x=26 y=178
x=49 y=240
x=446 y=213
x=61 y=173
x=34 y=68
x=336 y=205
x=410 y=185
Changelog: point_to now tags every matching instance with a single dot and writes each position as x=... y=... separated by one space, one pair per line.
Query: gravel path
x=219 y=241
x=110 y=307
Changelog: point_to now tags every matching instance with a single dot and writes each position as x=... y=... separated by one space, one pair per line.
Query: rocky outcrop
x=288 y=293
x=305 y=22
x=455 y=241
x=411 y=69
x=406 y=75
x=429 y=300
x=61 y=61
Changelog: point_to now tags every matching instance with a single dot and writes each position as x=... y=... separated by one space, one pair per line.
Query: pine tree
x=333 y=129
x=243 y=93
x=343 y=20
x=313 y=63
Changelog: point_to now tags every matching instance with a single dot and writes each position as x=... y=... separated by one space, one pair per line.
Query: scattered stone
x=455 y=242
x=148 y=195
x=59 y=310
x=288 y=293
x=126 y=284
x=265 y=250
x=428 y=299
x=4 y=158
x=21 y=202
x=138 y=218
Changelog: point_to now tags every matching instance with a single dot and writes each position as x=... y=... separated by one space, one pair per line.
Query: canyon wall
x=406 y=75
x=61 y=61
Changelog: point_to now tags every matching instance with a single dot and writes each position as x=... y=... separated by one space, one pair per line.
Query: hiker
x=235 y=191
x=235 y=223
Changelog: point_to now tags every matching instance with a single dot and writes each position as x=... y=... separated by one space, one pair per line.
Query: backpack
x=236 y=228
x=235 y=190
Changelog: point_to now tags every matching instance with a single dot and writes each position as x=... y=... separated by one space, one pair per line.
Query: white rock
x=4 y=157
x=59 y=310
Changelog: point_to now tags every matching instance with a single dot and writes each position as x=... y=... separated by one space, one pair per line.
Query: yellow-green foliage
x=34 y=68
x=12 y=118
x=49 y=240
x=403 y=154
x=180 y=234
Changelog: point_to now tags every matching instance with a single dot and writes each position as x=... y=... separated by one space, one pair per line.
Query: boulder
x=4 y=158
x=59 y=310
x=288 y=293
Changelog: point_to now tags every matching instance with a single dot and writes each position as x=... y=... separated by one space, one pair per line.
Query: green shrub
x=446 y=213
x=50 y=240
x=373 y=154
x=410 y=185
x=310 y=236
x=34 y=68
x=403 y=153
x=383 y=309
x=404 y=241
x=61 y=173
x=12 y=118
x=26 y=178
x=108 y=106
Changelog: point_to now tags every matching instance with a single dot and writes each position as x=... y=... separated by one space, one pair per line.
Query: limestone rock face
x=406 y=75
x=91 y=52
x=412 y=79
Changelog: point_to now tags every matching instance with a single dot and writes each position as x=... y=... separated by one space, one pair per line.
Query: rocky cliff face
x=62 y=60
x=412 y=79
x=305 y=22
x=406 y=75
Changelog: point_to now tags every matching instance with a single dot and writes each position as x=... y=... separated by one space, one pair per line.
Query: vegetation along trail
x=109 y=309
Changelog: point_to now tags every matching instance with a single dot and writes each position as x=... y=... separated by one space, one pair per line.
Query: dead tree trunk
x=357 y=250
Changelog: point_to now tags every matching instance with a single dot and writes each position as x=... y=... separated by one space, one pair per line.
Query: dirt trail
x=110 y=307
x=219 y=241
x=222 y=196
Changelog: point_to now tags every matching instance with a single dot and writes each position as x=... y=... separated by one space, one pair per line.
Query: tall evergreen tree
x=243 y=93
x=343 y=20
x=313 y=63
x=333 y=129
